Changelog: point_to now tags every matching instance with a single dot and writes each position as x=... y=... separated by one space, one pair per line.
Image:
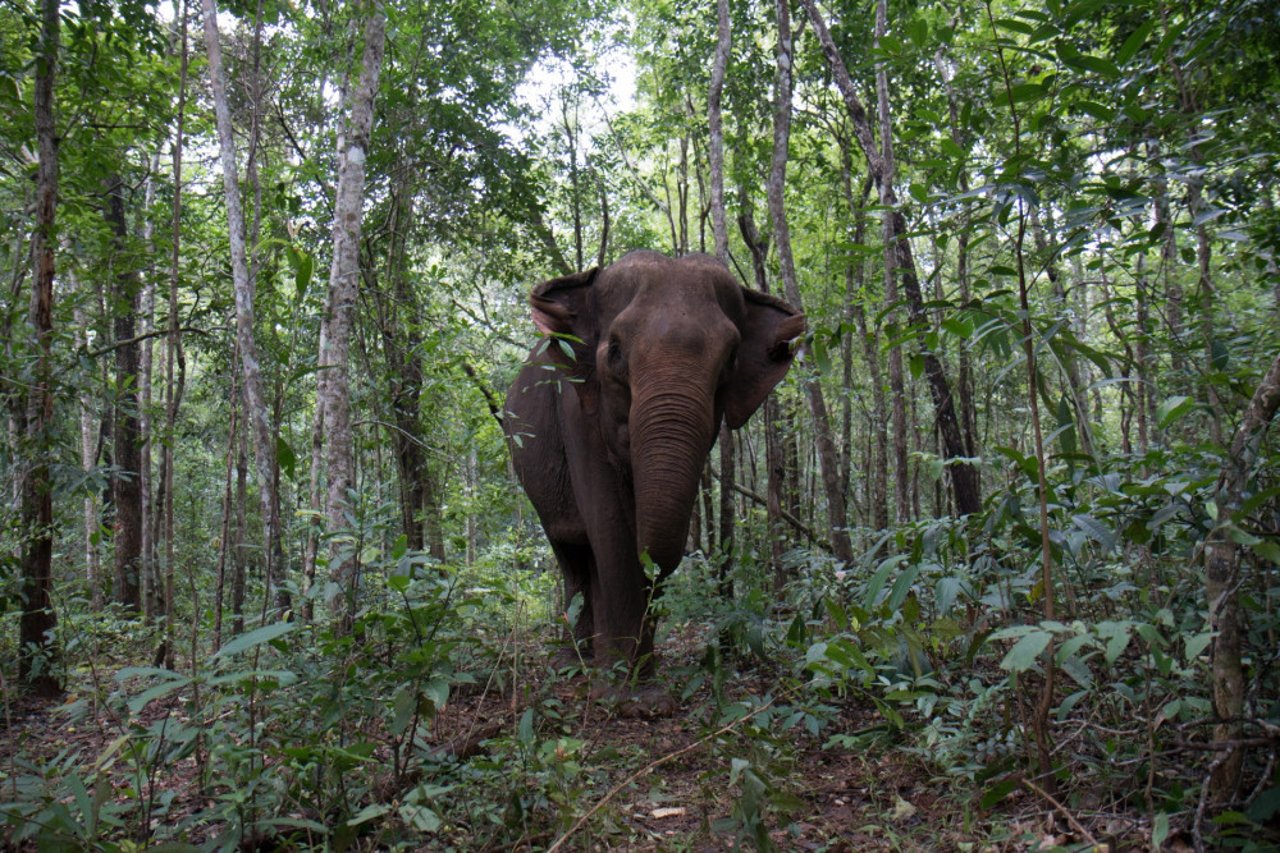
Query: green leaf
x=368 y=813
x=1172 y=409
x=877 y=582
x=1269 y=551
x=1070 y=55
x=918 y=31
x=1026 y=651
x=1131 y=45
x=254 y=638
x=998 y=792
x=1024 y=93
x=285 y=456
x=902 y=586
x=1159 y=830
x=524 y=732
x=951 y=149
x=1196 y=645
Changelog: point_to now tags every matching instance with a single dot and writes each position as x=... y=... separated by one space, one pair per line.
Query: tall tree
x=344 y=278
x=256 y=411
x=38 y=621
x=828 y=458
x=126 y=435
x=1222 y=585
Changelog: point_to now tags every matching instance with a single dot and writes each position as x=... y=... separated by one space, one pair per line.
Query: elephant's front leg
x=620 y=606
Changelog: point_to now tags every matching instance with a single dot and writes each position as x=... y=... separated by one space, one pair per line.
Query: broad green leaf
x=902 y=586
x=1026 y=651
x=1070 y=55
x=1159 y=830
x=256 y=637
x=998 y=792
x=1173 y=408
x=1135 y=40
x=1196 y=645
x=368 y=813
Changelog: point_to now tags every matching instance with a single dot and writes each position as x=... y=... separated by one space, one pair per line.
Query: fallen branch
x=1062 y=810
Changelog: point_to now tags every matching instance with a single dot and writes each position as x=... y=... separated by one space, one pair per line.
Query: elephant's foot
x=635 y=701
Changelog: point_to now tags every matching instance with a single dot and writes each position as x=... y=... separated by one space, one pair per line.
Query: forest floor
x=695 y=780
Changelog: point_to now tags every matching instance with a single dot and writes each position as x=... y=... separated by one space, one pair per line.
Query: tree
x=35 y=633
x=827 y=456
x=344 y=278
x=256 y=411
x=126 y=435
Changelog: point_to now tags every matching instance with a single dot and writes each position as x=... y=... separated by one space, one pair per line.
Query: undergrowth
x=296 y=734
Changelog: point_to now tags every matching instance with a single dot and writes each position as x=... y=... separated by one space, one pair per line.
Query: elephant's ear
x=771 y=334
x=564 y=311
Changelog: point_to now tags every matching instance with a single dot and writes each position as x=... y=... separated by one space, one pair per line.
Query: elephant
x=612 y=417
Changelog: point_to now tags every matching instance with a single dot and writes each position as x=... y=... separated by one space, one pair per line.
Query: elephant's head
x=663 y=350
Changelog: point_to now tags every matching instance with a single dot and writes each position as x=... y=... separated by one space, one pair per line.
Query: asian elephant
x=613 y=415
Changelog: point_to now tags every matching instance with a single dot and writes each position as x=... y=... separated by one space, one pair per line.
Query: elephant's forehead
x=666 y=287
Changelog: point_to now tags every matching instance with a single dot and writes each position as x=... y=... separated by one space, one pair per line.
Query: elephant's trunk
x=671 y=432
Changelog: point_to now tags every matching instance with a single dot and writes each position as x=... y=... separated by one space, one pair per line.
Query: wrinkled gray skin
x=610 y=443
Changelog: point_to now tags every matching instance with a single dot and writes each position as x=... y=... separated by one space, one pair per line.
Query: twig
x=650 y=767
x=1062 y=810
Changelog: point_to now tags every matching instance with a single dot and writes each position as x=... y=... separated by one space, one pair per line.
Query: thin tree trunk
x=775 y=457
x=715 y=124
x=240 y=555
x=173 y=348
x=88 y=461
x=37 y=644
x=126 y=484
x=827 y=454
x=255 y=401
x=897 y=379
x=398 y=318
x=226 y=545
x=1223 y=582
x=964 y=380
x=344 y=281
x=720 y=234
x=146 y=314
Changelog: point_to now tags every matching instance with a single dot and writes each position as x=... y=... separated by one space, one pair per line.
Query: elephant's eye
x=616 y=361
x=730 y=365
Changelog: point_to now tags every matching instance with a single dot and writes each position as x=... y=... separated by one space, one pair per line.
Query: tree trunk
x=1222 y=586
x=37 y=644
x=174 y=351
x=89 y=461
x=240 y=553
x=715 y=124
x=398 y=318
x=344 y=277
x=126 y=483
x=775 y=458
x=255 y=401
x=828 y=458
x=146 y=488
x=225 y=543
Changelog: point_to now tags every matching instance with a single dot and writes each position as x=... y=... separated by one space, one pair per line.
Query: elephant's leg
x=577 y=564
x=620 y=604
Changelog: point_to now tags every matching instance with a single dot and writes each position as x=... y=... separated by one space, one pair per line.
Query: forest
x=996 y=566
